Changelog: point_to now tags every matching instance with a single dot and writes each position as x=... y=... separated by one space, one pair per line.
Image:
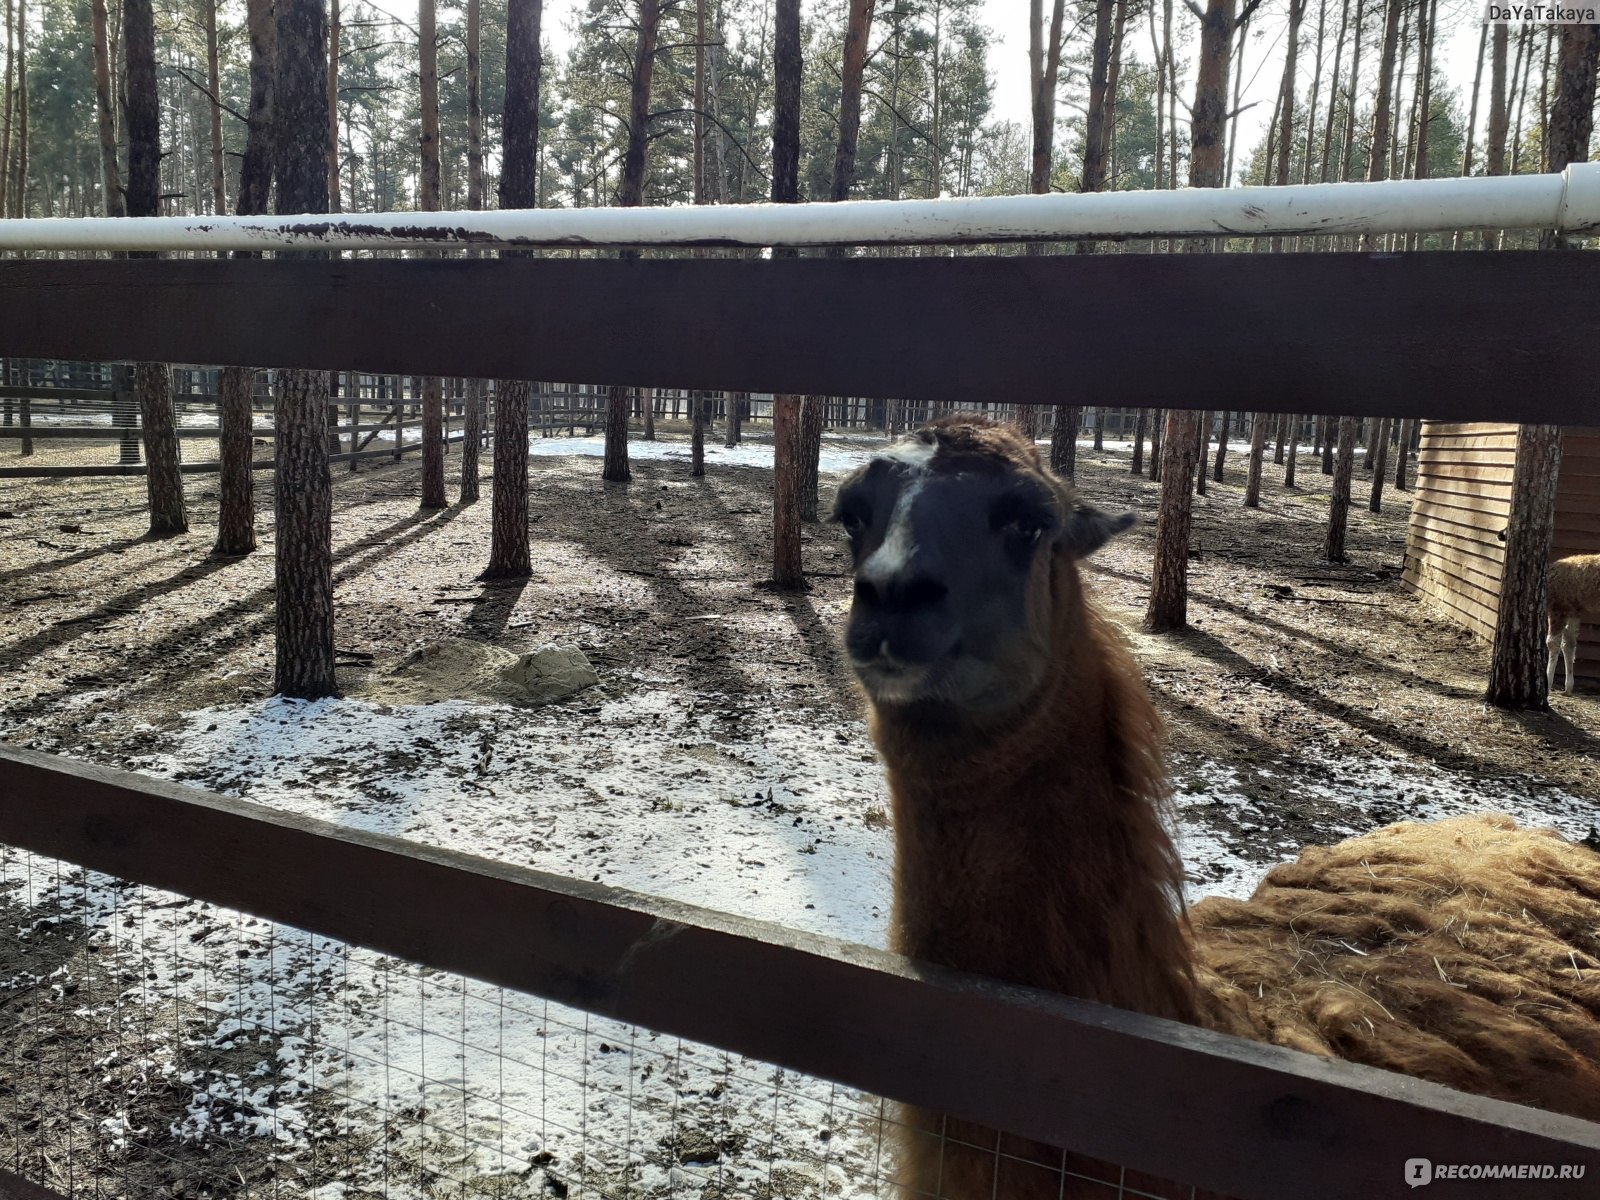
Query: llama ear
x=1087 y=529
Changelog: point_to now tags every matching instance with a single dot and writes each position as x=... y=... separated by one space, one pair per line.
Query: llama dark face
x=953 y=531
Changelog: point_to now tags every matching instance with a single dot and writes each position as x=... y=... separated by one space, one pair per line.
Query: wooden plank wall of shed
x=1454 y=555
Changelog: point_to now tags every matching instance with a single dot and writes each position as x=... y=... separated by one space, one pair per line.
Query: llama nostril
x=922 y=593
x=866 y=593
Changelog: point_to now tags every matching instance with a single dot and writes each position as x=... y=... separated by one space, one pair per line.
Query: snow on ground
x=833 y=460
x=786 y=823
x=1363 y=792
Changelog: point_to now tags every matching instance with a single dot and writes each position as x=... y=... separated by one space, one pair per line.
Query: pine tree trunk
x=812 y=418
x=1407 y=429
x=1294 y=451
x=858 y=29
x=1044 y=60
x=1520 y=83
x=615 y=468
x=1425 y=39
x=735 y=422
x=630 y=194
x=1211 y=94
x=1113 y=81
x=787 y=569
x=1494 y=147
x=19 y=182
x=1378 y=166
x=433 y=489
x=1572 y=114
x=1516 y=665
x=1044 y=66
x=1202 y=442
x=1258 y=449
x=143 y=122
x=7 y=107
x=787 y=410
x=1222 y=448
x=303 y=491
x=110 y=176
x=1064 y=440
x=858 y=26
x=335 y=29
x=1316 y=90
x=303 y=538
x=1096 y=124
x=255 y=168
x=474 y=104
x=472 y=439
x=509 y=554
x=1139 y=427
x=1380 y=466
x=1329 y=434
x=519 y=180
x=1168 y=607
x=236 y=532
x=1068 y=419
x=1158 y=425
x=1333 y=93
x=1297 y=10
x=1339 y=501
x=697 y=439
x=154 y=384
x=152 y=381
x=219 y=194
x=1234 y=107
x=236 y=480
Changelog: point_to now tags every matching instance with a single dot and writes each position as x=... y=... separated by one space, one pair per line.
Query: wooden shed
x=1454 y=555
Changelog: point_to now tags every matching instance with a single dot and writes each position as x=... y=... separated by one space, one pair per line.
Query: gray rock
x=548 y=674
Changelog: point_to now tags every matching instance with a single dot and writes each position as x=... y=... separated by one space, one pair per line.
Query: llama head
x=957 y=532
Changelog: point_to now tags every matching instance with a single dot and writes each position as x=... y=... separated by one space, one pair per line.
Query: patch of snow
x=1362 y=792
x=748 y=454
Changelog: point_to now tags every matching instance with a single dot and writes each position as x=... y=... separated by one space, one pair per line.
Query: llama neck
x=1034 y=852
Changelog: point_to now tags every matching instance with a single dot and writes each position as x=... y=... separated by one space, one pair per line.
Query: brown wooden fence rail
x=1471 y=337
x=1244 y=1119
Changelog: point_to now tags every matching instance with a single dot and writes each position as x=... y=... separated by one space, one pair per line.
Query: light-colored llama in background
x=1574 y=592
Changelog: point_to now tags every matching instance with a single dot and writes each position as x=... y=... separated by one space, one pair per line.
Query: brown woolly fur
x=1031 y=845
x=1466 y=952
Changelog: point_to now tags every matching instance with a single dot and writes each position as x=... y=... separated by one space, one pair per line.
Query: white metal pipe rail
x=1569 y=202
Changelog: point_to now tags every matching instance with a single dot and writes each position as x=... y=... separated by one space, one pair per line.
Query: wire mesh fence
x=156 y=1045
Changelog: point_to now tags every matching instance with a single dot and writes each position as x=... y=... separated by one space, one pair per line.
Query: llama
x=1574 y=591
x=1028 y=790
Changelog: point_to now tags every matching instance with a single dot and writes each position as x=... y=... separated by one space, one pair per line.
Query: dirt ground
x=1289 y=659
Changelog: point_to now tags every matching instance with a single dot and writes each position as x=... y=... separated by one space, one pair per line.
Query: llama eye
x=1025 y=527
x=852 y=521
